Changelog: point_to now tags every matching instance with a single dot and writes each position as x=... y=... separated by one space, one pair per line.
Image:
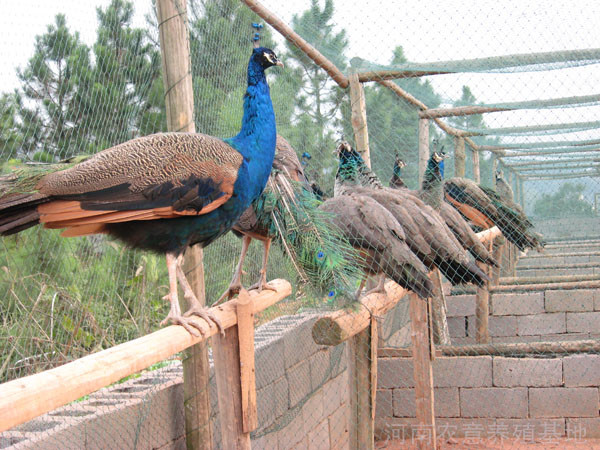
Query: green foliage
x=55 y=82
x=317 y=99
x=568 y=201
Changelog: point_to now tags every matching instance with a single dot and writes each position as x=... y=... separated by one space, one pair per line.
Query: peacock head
x=499 y=174
x=437 y=161
x=265 y=58
x=399 y=164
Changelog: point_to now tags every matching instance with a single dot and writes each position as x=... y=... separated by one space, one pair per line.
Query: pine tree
x=318 y=103
x=51 y=101
x=124 y=101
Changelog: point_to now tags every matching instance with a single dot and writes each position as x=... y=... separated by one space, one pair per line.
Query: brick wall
x=485 y=395
x=302 y=400
x=551 y=315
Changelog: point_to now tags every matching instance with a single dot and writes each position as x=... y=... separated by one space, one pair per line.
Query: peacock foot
x=206 y=314
x=262 y=284
x=233 y=290
x=174 y=317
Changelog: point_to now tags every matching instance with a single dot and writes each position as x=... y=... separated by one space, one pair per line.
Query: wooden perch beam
x=295 y=39
x=338 y=326
x=459 y=111
x=384 y=75
x=26 y=398
x=502 y=348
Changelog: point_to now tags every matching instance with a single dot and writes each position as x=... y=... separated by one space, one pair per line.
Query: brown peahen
x=427 y=234
x=432 y=193
x=162 y=192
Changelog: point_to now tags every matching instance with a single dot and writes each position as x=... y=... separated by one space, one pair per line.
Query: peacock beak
x=279 y=63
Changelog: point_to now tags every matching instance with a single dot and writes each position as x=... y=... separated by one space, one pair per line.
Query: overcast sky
x=428 y=30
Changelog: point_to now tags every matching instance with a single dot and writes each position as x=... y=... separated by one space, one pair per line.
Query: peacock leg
x=236 y=282
x=380 y=288
x=174 y=315
x=262 y=279
x=362 y=285
x=196 y=308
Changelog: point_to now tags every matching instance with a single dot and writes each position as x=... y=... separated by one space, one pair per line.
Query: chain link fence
x=505 y=93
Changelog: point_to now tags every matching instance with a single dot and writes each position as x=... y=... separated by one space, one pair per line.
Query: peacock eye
x=320 y=255
x=331 y=294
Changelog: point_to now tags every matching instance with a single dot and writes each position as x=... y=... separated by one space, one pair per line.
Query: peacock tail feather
x=328 y=266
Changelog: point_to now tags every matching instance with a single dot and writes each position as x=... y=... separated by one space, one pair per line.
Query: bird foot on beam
x=262 y=284
x=233 y=290
x=206 y=314
x=174 y=317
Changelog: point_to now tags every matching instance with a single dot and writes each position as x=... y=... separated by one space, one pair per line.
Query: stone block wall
x=302 y=402
x=485 y=396
x=550 y=315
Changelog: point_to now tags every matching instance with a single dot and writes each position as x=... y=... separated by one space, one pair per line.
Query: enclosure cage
x=507 y=92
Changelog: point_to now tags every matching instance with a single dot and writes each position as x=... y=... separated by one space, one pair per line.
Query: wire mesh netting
x=458 y=126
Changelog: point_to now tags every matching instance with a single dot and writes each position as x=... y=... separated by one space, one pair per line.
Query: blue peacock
x=162 y=192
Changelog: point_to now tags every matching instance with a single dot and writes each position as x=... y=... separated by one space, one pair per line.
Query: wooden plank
x=423 y=148
x=476 y=170
x=459 y=157
x=28 y=397
x=459 y=111
x=380 y=75
x=362 y=425
x=374 y=347
x=247 y=374
x=423 y=373
x=288 y=33
x=226 y=357
x=179 y=101
x=549 y=280
x=359 y=118
x=503 y=349
x=482 y=309
x=439 y=330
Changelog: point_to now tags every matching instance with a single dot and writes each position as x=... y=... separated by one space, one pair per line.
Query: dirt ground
x=518 y=444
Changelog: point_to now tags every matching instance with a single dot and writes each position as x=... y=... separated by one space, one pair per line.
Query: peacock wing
x=466 y=196
x=160 y=176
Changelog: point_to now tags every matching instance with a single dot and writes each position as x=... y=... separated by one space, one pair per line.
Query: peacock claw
x=230 y=292
x=262 y=284
x=207 y=315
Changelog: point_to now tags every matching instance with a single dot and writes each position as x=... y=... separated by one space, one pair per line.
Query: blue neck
x=257 y=136
x=397 y=171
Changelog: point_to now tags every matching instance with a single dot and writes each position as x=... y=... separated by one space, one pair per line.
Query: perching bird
x=426 y=232
x=503 y=188
x=381 y=241
x=485 y=208
x=287 y=212
x=162 y=192
x=396 y=180
x=432 y=193
x=252 y=225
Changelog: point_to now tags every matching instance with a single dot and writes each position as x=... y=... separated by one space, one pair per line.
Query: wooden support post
x=226 y=356
x=362 y=380
x=245 y=315
x=521 y=197
x=476 y=171
x=423 y=373
x=482 y=310
x=179 y=101
x=441 y=334
x=423 y=148
x=459 y=156
x=359 y=118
